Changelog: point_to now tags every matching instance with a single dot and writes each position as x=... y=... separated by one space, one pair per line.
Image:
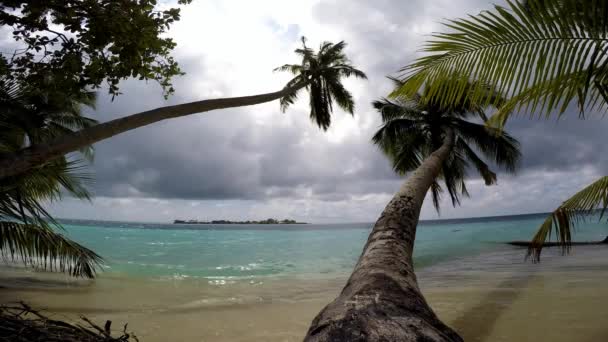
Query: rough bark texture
x=381 y=301
x=16 y=163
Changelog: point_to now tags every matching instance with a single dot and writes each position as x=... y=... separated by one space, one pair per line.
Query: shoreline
x=490 y=297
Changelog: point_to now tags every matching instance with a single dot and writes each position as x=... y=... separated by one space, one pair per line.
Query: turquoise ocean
x=249 y=283
x=232 y=253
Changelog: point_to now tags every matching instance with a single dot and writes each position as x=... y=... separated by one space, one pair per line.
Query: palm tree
x=381 y=301
x=547 y=55
x=320 y=73
x=27 y=231
x=543 y=54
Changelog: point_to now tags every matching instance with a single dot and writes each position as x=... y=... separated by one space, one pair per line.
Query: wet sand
x=493 y=297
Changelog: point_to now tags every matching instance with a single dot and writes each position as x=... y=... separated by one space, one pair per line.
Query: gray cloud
x=253 y=162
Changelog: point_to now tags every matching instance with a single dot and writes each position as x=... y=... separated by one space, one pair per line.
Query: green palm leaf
x=322 y=73
x=563 y=220
x=413 y=127
x=543 y=54
x=453 y=174
x=21 y=200
x=484 y=170
x=26 y=228
x=499 y=146
x=40 y=247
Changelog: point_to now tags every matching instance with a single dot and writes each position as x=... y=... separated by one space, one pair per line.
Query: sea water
x=266 y=283
x=222 y=253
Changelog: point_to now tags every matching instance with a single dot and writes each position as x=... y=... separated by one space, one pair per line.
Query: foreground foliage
x=563 y=220
x=21 y=323
x=543 y=54
x=547 y=56
x=81 y=44
x=28 y=234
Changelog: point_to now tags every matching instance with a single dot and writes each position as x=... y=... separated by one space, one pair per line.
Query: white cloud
x=258 y=163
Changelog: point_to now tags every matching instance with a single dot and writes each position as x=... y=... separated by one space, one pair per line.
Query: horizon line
x=346 y=222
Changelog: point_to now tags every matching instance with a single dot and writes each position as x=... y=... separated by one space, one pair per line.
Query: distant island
x=267 y=221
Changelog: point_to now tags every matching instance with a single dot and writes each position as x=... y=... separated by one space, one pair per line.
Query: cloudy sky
x=256 y=162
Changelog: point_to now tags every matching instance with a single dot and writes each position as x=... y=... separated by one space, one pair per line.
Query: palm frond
x=436 y=191
x=558 y=92
x=563 y=220
x=72 y=122
x=453 y=172
x=391 y=134
x=43 y=248
x=305 y=52
x=49 y=180
x=343 y=97
x=483 y=169
x=292 y=68
x=322 y=74
x=347 y=70
x=402 y=108
x=29 y=116
x=414 y=127
x=516 y=48
x=290 y=98
x=319 y=105
x=495 y=144
x=330 y=53
x=466 y=106
x=407 y=152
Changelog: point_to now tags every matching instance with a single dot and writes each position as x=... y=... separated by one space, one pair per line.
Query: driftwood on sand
x=21 y=323
x=557 y=244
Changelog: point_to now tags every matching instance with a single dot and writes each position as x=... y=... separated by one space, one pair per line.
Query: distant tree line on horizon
x=267 y=221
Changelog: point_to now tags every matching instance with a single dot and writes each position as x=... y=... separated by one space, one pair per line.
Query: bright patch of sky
x=256 y=162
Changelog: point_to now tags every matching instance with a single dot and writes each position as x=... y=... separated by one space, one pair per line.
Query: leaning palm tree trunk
x=26 y=159
x=381 y=301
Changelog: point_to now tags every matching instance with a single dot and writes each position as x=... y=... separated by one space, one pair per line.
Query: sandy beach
x=485 y=300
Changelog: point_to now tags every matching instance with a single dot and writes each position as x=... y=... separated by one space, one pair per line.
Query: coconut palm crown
x=412 y=128
x=322 y=73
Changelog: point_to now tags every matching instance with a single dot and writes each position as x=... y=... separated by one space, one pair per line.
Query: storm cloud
x=256 y=162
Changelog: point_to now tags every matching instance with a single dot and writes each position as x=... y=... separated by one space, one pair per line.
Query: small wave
x=222 y=301
x=220 y=277
x=180 y=276
x=165 y=266
x=221 y=282
x=249 y=267
x=160 y=243
x=229 y=280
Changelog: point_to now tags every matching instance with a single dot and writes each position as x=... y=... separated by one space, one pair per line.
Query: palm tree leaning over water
x=320 y=73
x=548 y=55
x=381 y=300
x=32 y=121
x=27 y=232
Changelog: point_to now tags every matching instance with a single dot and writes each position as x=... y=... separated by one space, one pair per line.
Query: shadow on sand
x=476 y=324
x=601 y=336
